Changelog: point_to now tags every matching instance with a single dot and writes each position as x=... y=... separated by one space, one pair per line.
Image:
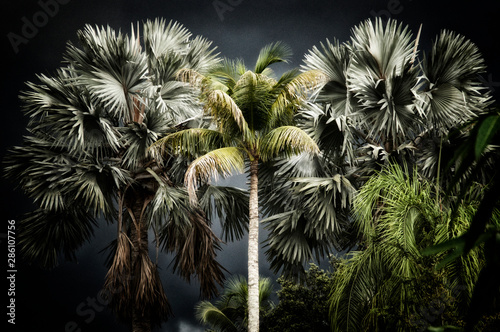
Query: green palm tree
x=86 y=156
x=381 y=103
x=252 y=121
x=477 y=161
x=388 y=285
x=230 y=312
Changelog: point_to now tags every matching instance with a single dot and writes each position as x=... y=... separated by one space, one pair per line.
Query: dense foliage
x=373 y=145
x=301 y=307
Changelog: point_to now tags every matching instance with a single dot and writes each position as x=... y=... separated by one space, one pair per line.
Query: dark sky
x=48 y=300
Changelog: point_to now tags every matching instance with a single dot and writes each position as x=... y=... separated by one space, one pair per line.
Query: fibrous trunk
x=141 y=319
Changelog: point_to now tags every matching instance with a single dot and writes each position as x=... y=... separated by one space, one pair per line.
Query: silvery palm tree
x=380 y=104
x=252 y=121
x=86 y=157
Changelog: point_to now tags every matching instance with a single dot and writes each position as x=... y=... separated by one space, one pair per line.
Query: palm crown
x=86 y=154
x=252 y=120
x=379 y=104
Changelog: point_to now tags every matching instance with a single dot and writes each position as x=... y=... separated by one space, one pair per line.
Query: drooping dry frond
x=117 y=281
x=148 y=291
x=195 y=250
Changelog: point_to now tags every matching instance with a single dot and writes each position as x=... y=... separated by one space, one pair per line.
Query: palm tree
x=230 y=312
x=86 y=156
x=380 y=104
x=477 y=161
x=252 y=121
x=388 y=285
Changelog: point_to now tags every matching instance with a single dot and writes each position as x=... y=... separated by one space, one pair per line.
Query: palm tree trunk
x=141 y=320
x=253 y=250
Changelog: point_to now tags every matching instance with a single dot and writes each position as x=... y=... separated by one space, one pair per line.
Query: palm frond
x=221 y=162
x=350 y=298
x=45 y=234
x=230 y=205
x=226 y=113
x=253 y=95
x=112 y=67
x=229 y=313
x=451 y=88
x=397 y=215
x=292 y=90
x=161 y=37
x=272 y=53
x=228 y=72
x=67 y=112
x=195 y=249
x=380 y=49
x=287 y=140
x=191 y=142
x=209 y=314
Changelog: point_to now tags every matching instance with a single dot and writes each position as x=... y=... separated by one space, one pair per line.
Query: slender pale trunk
x=141 y=320
x=253 y=250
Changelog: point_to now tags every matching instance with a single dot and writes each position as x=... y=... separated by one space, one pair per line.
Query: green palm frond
x=287 y=140
x=272 y=53
x=227 y=114
x=397 y=215
x=209 y=314
x=229 y=312
x=350 y=298
x=252 y=94
x=228 y=72
x=221 y=162
x=191 y=142
x=292 y=90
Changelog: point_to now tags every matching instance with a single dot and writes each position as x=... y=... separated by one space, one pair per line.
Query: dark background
x=48 y=300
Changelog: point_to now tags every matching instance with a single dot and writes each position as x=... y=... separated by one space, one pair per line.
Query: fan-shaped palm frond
x=86 y=155
x=451 y=91
x=230 y=204
x=46 y=234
